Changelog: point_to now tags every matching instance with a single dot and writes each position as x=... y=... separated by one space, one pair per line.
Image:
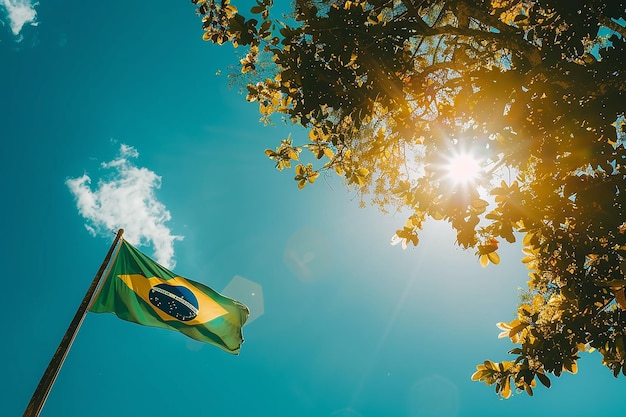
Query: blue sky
x=112 y=116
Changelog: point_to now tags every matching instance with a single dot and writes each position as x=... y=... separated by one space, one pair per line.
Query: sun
x=463 y=168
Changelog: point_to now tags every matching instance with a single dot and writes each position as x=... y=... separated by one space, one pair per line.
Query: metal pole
x=47 y=380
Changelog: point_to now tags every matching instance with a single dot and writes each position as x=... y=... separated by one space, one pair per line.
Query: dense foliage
x=395 y=92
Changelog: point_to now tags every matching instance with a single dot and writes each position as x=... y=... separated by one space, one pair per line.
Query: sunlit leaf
x=230 y=11
x=313 y=176
x=293 y=154
x=479 y=204
x=488 y=248
x=494 y=257
x=505 y=327
x=437 y=215
x=572 y=367
x=395 y=239
x=477 y=375
x=506 y=388
x=518 y=328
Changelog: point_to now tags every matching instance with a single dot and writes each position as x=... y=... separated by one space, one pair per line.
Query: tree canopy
x=396 y=94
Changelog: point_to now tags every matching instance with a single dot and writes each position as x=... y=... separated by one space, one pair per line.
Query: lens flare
x=463 y=168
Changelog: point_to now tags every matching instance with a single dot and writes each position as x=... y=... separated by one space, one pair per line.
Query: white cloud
x=20 y=13
x=127 y=200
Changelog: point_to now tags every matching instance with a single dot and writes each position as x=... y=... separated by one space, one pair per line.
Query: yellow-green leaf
x=313 y=176
x=494 y=257
x=570 y=367
x=479 y=204
x=362 y=172
x=292 y=153
x=230 y=11
x=477 y=375
x=506 y=388
x=437 y=215
x=516 y=329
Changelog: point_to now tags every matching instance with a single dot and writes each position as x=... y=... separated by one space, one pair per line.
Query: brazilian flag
x=138 y=289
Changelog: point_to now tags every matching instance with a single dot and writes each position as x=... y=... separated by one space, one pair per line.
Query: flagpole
x=47 y=380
